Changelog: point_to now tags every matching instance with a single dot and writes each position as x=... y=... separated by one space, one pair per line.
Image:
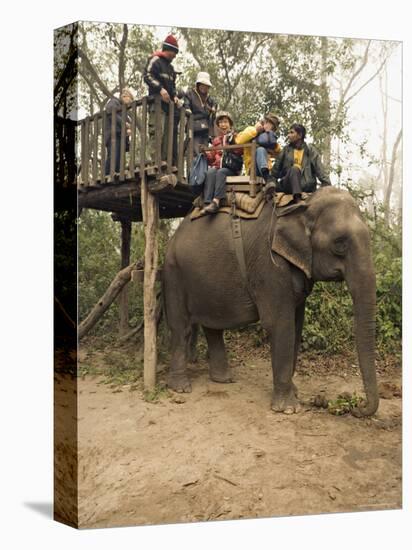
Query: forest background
x=317 y=81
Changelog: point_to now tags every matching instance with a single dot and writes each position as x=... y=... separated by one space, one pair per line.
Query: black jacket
x=201 y=112
x=312 y=167
x=159 y=73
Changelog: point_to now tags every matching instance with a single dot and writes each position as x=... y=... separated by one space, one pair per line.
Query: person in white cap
x=203 y=108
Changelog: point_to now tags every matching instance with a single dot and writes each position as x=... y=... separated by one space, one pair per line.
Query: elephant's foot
x=286 y=401
x=223 y=376
x=179 y=383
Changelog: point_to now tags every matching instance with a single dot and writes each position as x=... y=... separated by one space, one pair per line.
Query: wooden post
x=253 y=170
x=113 y=143
x=125 y=260
x=132 y=160
x=159 y=131
x=170 y=137
x=150 y=214
x=181 y=145
x=103 y=150
x=151 y=225
x=123 y=143
x=189 y=153
x=95 y=147
x=82 y=151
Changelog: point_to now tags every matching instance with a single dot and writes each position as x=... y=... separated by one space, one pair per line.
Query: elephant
x=285 y=251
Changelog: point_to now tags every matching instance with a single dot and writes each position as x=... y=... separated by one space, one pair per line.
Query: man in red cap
x=160 y=78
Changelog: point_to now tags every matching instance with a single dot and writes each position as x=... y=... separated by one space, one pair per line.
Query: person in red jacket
x=215 y=185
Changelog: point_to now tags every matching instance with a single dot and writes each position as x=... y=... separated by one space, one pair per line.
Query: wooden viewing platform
x=120 y=192
x=142 y=189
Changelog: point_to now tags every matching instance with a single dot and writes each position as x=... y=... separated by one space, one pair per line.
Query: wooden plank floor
x=123 y=199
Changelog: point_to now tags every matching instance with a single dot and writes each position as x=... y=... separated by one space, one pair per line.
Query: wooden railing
x=93 y=151
x=81 y=152
x=65 y=165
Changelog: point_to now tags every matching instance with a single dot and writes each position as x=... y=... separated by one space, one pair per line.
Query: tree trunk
x=121 y=279
x=388 y=190
x=122 y=57
x=124 y=294
x=326 y=114
x=150 y=210
x=383 y=85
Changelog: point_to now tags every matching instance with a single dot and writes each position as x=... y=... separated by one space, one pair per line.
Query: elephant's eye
x=340 y=246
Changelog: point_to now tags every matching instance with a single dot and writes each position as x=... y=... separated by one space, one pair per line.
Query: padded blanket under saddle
x=246 y=206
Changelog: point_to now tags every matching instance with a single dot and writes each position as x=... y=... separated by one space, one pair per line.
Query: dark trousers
x=291 y=183
x=198 y=140
x=164 y=131
x=109 y=156
x=215 y=184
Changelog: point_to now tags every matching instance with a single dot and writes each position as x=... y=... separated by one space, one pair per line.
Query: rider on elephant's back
x=298 y=165
x=215 y=185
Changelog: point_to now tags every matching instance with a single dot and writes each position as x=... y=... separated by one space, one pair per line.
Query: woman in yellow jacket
x=267 y=149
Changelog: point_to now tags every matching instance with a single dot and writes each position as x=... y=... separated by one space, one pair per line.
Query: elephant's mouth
x=337 y=275
x=328 y=274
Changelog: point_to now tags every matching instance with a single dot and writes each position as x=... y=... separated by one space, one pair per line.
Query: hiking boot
x=265 y=173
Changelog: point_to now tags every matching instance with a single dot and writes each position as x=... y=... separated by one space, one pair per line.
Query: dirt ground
x=221 y=453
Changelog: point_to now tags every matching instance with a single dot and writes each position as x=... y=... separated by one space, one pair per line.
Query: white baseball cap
x=203 y=78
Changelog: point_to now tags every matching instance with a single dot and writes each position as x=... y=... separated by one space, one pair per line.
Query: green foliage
x=122 y=368
x=388 y=267
x=65 y=259
x=118 y=54
x=159 y=392
x=344 y=404
x=98 y=262
x=328 y=319
x=99 y=257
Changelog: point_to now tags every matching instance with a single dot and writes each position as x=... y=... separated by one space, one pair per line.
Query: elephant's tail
x=163 y=298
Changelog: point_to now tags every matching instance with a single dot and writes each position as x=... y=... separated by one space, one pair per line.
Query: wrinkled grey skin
x=324 y=239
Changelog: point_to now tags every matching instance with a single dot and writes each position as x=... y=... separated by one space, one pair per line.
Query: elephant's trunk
x=362 y=287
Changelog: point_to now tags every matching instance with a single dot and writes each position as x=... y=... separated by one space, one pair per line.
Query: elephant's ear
x=291 y=239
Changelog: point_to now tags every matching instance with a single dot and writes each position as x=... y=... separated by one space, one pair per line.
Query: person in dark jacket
x=126 y=97
x=160 y=77
x=298 y=166
x=203 y=108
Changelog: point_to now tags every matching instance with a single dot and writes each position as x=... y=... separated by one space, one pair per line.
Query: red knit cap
x=170 y=43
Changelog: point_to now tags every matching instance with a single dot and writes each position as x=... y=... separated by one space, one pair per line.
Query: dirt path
x=221 y=453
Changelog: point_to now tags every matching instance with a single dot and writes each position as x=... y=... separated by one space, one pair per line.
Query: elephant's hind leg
x=219 y=370
x=177 y=379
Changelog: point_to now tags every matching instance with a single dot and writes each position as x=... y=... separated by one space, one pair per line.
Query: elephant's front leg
x=219 y=370
x=282 y=339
